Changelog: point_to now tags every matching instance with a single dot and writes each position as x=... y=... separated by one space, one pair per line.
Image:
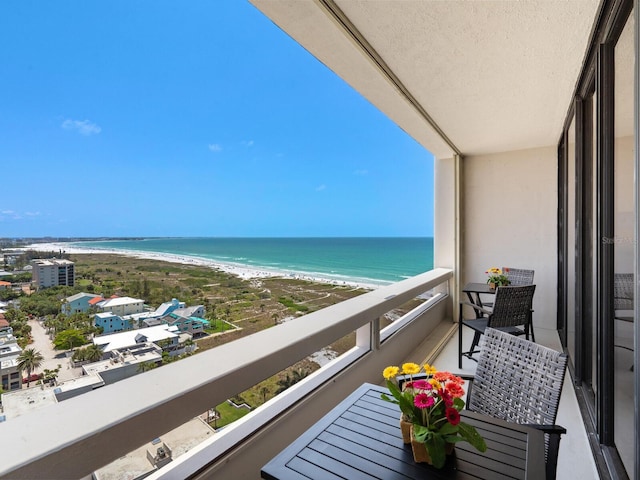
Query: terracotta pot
x=420 y=453
x=405 y=428
x=492 y=286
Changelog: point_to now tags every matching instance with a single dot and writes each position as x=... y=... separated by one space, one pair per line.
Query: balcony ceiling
x=472 y=76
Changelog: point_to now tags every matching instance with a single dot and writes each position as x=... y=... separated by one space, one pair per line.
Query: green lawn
x=229 y=414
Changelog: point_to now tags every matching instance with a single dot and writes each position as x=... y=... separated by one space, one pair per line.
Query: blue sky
x=195 y=118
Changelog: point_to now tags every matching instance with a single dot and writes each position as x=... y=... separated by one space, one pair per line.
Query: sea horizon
x=372 y=261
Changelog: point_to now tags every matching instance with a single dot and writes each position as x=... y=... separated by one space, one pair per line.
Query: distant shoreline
x=242 y=271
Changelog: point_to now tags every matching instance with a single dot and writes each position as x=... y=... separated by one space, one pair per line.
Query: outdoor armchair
x=518 y=276
x=519 y=381
x=511 y=313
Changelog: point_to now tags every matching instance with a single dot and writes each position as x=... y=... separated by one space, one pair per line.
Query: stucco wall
x=508 y=218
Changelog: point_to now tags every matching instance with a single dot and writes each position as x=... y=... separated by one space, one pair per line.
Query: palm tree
x=29 y=360
x=146 y=366
x=264 y=391
x=288 y=381
x=188 y=344
x=93 y=353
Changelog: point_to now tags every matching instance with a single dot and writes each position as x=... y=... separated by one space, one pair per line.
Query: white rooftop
x=114 y=302
x=121 y=340
x=179 y=440
x=124 y=359
x=19 y=402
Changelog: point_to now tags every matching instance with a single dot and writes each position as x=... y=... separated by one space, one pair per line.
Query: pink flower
x=422 y=400
x=421 y=385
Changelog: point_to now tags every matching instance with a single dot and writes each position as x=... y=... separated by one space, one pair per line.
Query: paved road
x=52 y=358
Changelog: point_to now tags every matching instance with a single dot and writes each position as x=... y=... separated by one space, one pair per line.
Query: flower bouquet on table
x=497 y=278
x=431 y=401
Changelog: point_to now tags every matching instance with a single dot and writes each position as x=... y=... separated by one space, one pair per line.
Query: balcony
x=76 y=437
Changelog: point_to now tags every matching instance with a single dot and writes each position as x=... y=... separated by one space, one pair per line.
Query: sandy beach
x=242 y=271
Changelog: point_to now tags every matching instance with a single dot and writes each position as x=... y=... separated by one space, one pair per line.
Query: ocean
x=362 y=260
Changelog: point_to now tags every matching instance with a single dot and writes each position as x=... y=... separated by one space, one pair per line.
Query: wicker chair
x=519 y=381
x=511 y=313
x=518 y=276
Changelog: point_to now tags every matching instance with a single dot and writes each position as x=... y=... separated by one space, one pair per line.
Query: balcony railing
x=80 y=435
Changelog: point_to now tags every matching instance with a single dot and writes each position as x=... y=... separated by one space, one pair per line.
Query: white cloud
x=320 y=188
x=10 y=215
x=83 y=127
x=214 y=147
x=361 y=172
x=13 y=215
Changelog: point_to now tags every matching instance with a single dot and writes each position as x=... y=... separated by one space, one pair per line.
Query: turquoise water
x=373 y=260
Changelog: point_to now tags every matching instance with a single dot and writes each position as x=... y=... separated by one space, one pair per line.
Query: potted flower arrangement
x=431 y=401
x=497 y=277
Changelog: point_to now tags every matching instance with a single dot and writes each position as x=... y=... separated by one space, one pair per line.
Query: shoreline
x=242 y=271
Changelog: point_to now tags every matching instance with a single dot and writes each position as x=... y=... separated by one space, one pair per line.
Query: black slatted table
x=360 y=439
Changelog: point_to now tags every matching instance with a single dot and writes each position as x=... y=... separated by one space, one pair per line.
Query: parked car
x=34 y=377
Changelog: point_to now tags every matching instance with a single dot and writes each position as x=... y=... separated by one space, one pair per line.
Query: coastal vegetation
x=235 y=308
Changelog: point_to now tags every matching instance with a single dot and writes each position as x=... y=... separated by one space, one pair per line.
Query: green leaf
x=470 y=434
x=386 y=397
x=404 y=400
x=421 y=433
x=435 y=446
x=448 y=429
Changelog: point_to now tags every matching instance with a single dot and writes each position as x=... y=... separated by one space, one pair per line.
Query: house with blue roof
x=193 y=325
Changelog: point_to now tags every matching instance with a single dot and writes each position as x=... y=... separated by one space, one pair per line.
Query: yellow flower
x=435 y=384
x=430 y=369
x=410 y=368
x=390 y=372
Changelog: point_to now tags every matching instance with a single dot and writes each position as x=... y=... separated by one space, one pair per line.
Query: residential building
x=132 y=338
x=4 y=323
x=121 y=305
x=145 y=319
x=124 y=362
x=4 y=285
x=193 y=325
x=528 y=109
x=193 y=311
x=111 y=323
x=53 y=272
x=25 y=401
x=158 y=452
x=79 y=303
x=10 y=376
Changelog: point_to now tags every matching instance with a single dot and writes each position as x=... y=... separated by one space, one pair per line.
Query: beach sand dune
x=242 y=271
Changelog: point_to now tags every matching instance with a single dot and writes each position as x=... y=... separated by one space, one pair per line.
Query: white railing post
x=368 y=336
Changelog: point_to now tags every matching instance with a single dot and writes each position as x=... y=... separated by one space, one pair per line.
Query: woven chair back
x=519 y=276
x=512 y=306
x=517 y=380
x=623 y=291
